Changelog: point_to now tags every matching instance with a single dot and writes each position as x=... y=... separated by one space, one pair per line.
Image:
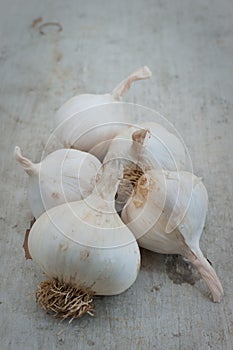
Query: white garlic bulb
x=167 y=213
x=145 y=146
x=80 y=126
x=85 y=244
x=64 y=175
x=159 y=147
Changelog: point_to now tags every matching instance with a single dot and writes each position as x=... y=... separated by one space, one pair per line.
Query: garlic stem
x=128 y=150
x=109 y=179
x=131 y=156
x=29 y=167
x=124 y=86
x=140 y=136
x=207 y=272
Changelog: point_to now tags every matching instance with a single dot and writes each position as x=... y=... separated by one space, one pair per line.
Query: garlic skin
x=82 y=122
x=159 y=147
x=166 y=148
x=167 y=214
x=149 y=146
x=64 y=175
x=85 y=243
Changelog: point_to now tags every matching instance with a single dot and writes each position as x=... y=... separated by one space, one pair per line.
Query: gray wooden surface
x=189 y=47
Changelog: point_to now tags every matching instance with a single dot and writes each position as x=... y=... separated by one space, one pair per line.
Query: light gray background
x=188 y=45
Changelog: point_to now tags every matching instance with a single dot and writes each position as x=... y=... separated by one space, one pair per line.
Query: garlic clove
x=87 y=120
x=162 y=200
x=64 y=175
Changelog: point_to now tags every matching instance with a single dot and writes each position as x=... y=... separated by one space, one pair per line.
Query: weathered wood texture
x=189 y=47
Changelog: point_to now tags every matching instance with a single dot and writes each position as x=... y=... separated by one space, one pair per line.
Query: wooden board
x=189 y=48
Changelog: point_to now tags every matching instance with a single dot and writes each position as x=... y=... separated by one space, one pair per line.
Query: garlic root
x=131 y=175
x=64 y=300
x=124 y=86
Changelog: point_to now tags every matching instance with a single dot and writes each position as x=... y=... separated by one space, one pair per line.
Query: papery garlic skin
x=81 y=126
x=85 y=244
x=159 y=148
x=166 y=148
x=149 y=146
x=108 y=268
x=64 y=175
x=167 y=214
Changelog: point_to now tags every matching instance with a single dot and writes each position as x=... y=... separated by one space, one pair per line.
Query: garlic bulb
x=159 y=147
x=167 y=214
x=64 y=175
x=143 y=147
x=85 y=245
x=80 y=126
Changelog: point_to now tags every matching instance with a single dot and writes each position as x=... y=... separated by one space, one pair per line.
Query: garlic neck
x=139 y=139
x=30 y=168
x=140 y=136
x=109 y=179
x=124 y=86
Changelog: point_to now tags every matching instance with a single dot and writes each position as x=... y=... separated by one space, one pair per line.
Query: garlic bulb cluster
x=88 y=120
x=167 y=213
x=65 y=175
x=90 y=217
